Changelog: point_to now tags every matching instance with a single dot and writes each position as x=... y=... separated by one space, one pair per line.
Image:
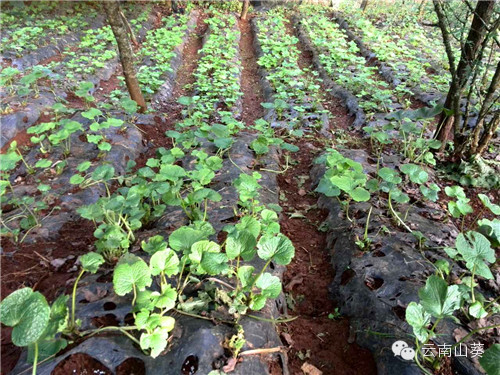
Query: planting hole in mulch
x=81 y=363
x=131 y=366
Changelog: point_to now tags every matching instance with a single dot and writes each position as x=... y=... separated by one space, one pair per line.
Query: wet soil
x=250 y=82
x=81 y=363
x=47 y=267
x=338 y=113
x=313 y=337
x=316 y=337
x=171 y=111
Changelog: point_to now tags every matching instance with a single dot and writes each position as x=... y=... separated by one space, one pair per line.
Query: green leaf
x=389 y=175
x=167 y=298
x=103 y=173
x=200 y=247
x=94 y=138
x=242 y=243
x=214 y=263
x=269 y=284
x=258 y=302
x=154 y=244
x=260 y=146
x=28 y=313
x=76 y=179
x=491 y=229
x=250 y=224
x=91 y=113
x=431 y=192
x=477 y=310
x=171 y=172
x=443 y=266
x=269 y=215
x=165 y=261
x=104 y=146
x=43 y=188
x=490 y=360
x=49 y=344
x=82 y=167
x=8 y=161
x=455 y=191
x=327 y=188
x=495 y=208
x=43 y=163
x=278 y=248
x=115 y=122
x=155 y=341
x=477 y=252
x=360 y=194
x=415 y=172
x=439 y=299
x=130 y=106
x=183 y=238
x=245 y=275
x=419 y=319
x=127 y=276
x=91 y=262
x=399 y=196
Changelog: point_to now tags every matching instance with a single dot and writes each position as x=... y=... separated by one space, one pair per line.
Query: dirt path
x=170 y=111
x=250 y=83
x=49 y=267
x=316 y=337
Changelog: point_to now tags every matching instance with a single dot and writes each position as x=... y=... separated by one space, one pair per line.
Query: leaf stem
x=261 y=272
x=474 y=332
x=276 y=321
x=35 y=359
x=114 y=328
x=396 y=216
x=73 y=300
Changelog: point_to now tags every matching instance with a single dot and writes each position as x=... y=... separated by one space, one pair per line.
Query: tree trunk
x=129 y=29
x=168 y=5
x=112 y=9
x=489 y=130
x=461 y=74
x=244 y=10
x=489 y=100
x=421 y=10
x=364 y=4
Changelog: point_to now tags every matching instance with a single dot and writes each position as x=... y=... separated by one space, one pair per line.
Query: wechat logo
x=401 y=348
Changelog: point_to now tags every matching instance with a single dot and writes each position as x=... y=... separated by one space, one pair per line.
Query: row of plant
x=407 y=49
x=52 y=149
x=210 y=113
x=96 y=48
x=25 y=28
x=295 y=90
x=339 y=57
x=159 y=47
x=444 y=295
x=235 y=272
x=219 y=68
x=53 y=143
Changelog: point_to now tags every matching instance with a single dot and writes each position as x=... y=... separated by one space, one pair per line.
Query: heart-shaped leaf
x=91 y=261
x=490 y=360
x=128 y=276
x=439 y=299
x=165 y=261
x=269 y=284
x=278 y=248
x=241 y=243
x=28 y=313
x=419 y=319
x=477 y=252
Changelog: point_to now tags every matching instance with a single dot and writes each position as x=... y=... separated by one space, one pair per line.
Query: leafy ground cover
x=233 y=227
